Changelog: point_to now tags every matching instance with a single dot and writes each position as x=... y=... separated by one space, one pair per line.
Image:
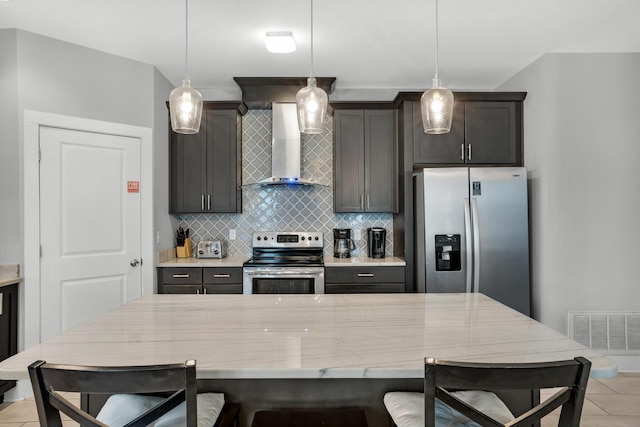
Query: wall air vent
x=611 y=333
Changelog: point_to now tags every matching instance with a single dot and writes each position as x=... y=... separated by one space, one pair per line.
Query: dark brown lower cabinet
x=200 y=280
x=8 y=329
x=357 y=280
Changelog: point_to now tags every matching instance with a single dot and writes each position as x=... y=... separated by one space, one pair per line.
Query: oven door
x=283 y=280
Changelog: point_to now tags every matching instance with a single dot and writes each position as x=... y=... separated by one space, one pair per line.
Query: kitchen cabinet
x=200 y=280
x=205 y=168
x=364 y=157
x=483 y=132
x=350 y=280
x=8 y=329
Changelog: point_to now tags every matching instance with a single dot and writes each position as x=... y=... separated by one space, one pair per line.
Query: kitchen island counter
x=306 y=336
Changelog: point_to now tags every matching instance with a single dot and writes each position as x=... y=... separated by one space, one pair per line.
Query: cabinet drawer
x=182 y=289
x=363 y=288
x=177 y=275
x=364 y=274
x=222 y=275
x=223 y=288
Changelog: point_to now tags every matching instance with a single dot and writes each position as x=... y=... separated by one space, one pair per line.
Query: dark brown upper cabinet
x=364 y=157
x=205 y=168
x=486 y=130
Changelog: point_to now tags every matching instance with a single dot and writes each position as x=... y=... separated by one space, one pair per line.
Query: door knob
x=134 y=262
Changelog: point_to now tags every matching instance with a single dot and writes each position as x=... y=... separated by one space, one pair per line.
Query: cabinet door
x=188 y=171
x=348 y=155
x=222 y=161
x=447 y=148
x=379 y=148
x=490 y=132
x=363 y=288
x=8 y=329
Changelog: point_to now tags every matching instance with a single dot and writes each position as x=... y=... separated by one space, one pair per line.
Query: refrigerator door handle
x=468 y=240
x=476 y=244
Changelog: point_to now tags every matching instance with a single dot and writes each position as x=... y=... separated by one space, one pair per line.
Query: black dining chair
x=139 y=395
x=460 y=394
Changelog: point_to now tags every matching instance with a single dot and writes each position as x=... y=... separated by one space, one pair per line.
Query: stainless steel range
x=288 y=262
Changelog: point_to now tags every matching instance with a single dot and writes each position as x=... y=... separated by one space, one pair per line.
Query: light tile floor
x=613 y=402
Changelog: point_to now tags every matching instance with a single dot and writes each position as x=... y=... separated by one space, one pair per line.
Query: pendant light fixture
x=311 y=101
x=437 y=102
x=185 y=103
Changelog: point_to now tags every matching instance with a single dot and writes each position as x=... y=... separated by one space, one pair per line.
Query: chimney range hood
x=279 y=94
x=285 y=147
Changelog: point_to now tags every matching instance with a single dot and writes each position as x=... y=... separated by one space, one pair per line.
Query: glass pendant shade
x=437 y=109
x=311 y=102
x=185 y=107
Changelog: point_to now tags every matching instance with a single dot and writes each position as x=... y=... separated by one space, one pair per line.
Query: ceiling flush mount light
x=280 y=42
x=185 y=103
x=311 y=101
x=437 y=102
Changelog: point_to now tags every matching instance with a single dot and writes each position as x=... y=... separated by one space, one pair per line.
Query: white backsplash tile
x=284 y=208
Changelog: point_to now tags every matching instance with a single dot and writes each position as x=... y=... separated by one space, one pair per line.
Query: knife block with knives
x=183 y=244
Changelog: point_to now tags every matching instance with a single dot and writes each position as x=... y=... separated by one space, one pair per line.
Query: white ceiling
x=372 y=44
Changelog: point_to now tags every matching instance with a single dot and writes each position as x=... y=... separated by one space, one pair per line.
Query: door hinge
x=39 y=155
x=40 y=251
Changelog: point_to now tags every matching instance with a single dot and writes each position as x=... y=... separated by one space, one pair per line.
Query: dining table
x=276 y=351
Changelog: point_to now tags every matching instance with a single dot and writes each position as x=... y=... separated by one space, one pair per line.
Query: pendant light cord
x=311 y=38
x=436 y=39
x=186 y=38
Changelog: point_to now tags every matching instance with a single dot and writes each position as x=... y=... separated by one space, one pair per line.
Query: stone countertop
x=233 y=261
x=307 y=336
x=168 y=259
x=9 y=274
x=330 y=261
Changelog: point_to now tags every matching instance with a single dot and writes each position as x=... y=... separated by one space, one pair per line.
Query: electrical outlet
x=158 y=237
x=357 y=234
x=232 y=234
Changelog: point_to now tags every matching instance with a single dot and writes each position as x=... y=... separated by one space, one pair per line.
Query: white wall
x=582 y=150
x=10 y=238
x=163 y=222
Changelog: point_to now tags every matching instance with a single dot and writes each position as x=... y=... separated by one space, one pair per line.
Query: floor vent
x=612 y=333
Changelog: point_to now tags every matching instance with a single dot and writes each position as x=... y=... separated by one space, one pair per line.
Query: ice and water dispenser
x=447 y=252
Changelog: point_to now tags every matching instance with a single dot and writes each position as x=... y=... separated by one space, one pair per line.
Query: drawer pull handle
x=181 y=276
x=366 y=275
x=221 y=275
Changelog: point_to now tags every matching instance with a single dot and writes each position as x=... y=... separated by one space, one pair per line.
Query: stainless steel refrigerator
x=472 y=233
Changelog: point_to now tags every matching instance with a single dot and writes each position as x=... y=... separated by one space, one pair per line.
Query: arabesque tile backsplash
x=284 y=208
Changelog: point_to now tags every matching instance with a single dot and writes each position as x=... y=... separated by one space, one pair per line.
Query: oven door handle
x=295 y=273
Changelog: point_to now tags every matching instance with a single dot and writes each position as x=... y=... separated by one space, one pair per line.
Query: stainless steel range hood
x=285 y=148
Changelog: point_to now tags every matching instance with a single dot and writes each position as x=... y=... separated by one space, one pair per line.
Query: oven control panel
x=287 y=239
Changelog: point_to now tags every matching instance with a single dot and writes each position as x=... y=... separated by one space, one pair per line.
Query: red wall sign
x=133 y=186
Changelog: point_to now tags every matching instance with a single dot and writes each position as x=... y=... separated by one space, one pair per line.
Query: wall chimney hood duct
x=285 y=147
x=279 y=94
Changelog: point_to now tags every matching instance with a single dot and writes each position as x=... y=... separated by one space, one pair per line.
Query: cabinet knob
x=181 y=276
x=366 y=275
x=222 y=275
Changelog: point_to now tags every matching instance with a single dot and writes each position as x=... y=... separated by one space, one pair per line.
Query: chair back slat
x=570 y=376
x=48 y=380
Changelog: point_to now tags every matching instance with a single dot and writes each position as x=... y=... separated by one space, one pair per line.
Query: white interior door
x=89 y=226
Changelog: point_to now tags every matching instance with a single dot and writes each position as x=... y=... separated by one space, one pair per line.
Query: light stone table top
x=306 y=336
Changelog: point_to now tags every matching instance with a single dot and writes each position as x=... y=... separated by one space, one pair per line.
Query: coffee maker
x=376 y=242
x=342 y=243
